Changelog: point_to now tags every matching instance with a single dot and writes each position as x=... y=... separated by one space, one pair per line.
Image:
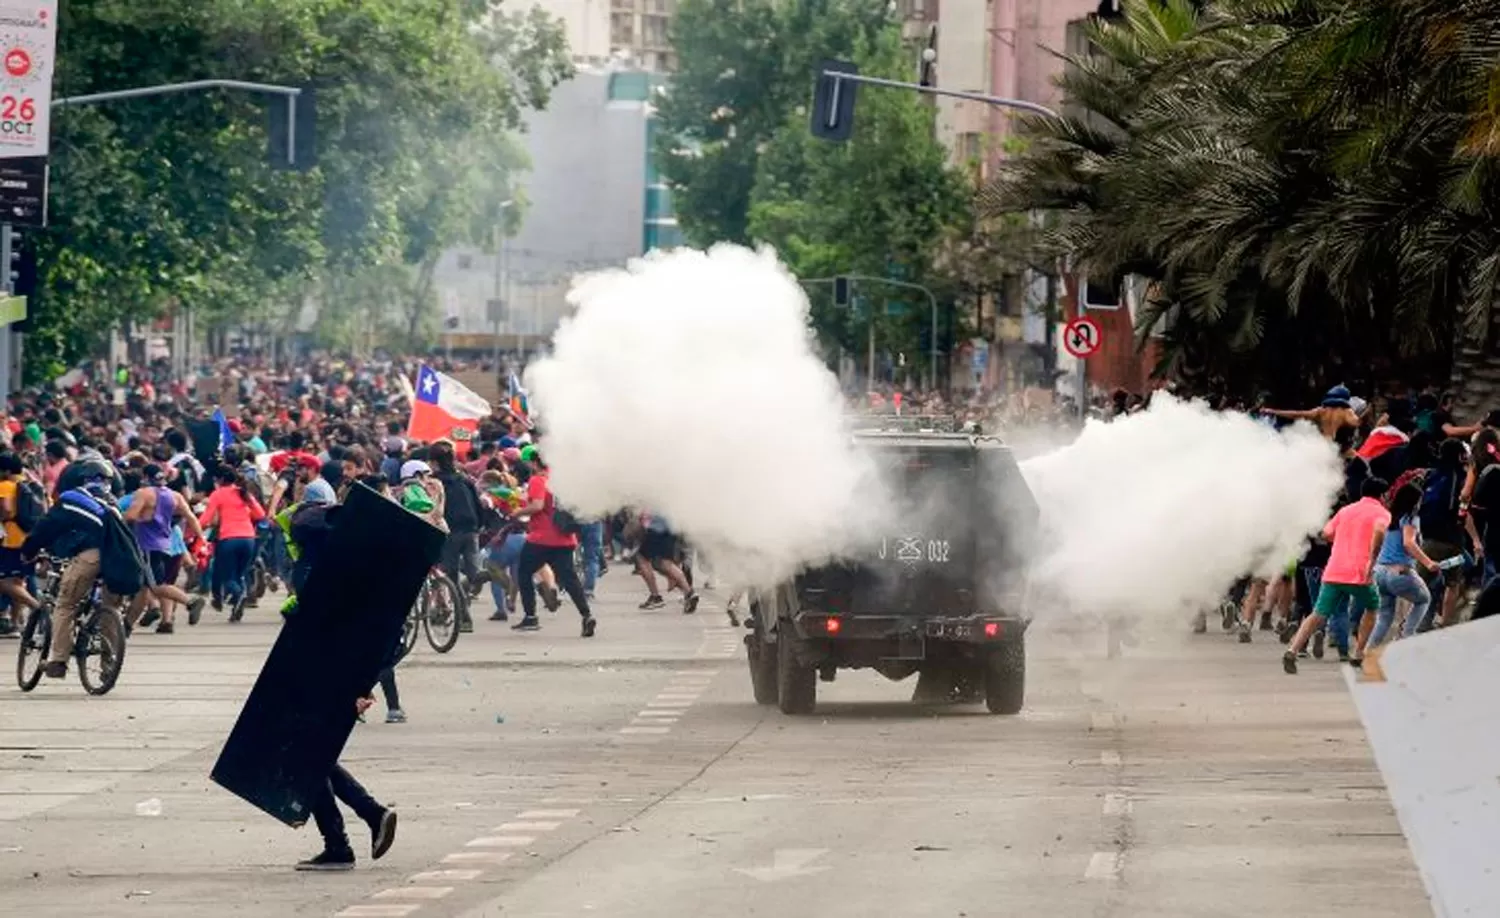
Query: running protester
x=547 y=544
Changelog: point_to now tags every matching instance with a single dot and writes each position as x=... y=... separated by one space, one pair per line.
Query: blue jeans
x=232 y=559
x=1402 y=583
x=507 y=557
x=593 y=554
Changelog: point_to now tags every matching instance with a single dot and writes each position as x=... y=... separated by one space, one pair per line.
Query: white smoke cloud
x=1155 y=514
x=689 y=383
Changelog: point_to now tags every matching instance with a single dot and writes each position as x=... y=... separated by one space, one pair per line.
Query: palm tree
x=1306 y=180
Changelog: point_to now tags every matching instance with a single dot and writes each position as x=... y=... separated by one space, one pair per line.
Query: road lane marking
x=445 y=876
x=526 y=827
x=548 y=814
x=706 y=673
x=669 y=704
x=414 y=892
x=377 y=911
x=678 y=696
x=638 y=731
x=501 y=841
x=1109 y=759
x=1092 y=689
x=1104 y=865
x=1117 y=805
x=477 y=857
x=664 y=715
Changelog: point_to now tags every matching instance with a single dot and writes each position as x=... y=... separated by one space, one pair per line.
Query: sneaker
x=589 y=624
x=690 y=603
x=1244 y=632
x=149 y=618
x=195 y=610
x=549 y=597
x=1355 y=662
x=395 y=716
x=329 y=861
x=57 y=670
x=1317 y=650
x=218 y=603
x=237 y=611
x=653 y=602
x=1289 y=663
x=1265 y=621
x=465 y=625
x=499 y=617
x=165 y=628
x=1343 y=655
x=382 y=833
x=527 y=623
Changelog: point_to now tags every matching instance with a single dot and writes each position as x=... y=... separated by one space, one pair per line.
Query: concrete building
x=593 y=200
x=631 y=32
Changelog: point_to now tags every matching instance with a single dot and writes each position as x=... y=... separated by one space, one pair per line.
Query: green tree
x=879 y=205
x=744 y=66
x=171 y=201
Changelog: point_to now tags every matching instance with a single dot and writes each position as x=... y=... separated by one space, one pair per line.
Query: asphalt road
x=543 y=775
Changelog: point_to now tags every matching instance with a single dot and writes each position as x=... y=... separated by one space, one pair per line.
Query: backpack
x=122 y=567
x=564 y=521
x=415 y=498
x=31 y=504
x=1439 y=514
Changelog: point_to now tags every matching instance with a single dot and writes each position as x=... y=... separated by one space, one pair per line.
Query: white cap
x=413 y=468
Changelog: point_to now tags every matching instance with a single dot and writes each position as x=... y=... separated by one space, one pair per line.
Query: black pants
x=535 y=557
x=460 y=556
x=388 y=689
x=325 y=809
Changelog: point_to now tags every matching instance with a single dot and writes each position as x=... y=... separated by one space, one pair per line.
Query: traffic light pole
x=9 y=351
x=838 y=76
x=290 y=92
x=905 y=285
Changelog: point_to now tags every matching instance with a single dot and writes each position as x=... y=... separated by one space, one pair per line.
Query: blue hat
x=1337 y=397
x=508 y=442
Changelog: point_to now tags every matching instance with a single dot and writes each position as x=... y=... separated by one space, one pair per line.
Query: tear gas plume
x=689 y=383
x=1156 y=514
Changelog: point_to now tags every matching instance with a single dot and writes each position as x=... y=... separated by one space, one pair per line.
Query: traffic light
x=841 y=291
x=300 y=152
x=21 y=275
x=927 y=65
x=833 y=101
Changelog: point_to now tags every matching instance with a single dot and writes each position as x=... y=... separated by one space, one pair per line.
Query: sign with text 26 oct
x=28 y=45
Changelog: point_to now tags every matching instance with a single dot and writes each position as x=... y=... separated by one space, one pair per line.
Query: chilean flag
x=445 y=409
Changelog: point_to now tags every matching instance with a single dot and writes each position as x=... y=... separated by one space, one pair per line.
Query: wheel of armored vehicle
x=796 y=682
x=762 y=657
x=1005 y=678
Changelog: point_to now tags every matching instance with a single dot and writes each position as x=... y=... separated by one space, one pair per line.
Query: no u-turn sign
x=1082 y=337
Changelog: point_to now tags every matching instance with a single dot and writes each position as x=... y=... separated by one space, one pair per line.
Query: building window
x=622 y=29
x=655 y=31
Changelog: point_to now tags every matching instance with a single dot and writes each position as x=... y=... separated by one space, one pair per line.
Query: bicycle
x=436 y=612
x=98 y=632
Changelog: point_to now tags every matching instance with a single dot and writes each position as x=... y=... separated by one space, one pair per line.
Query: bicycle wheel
x=442 y=607
x=410 y=628
x=257 y=581
x=36 y=643
x=101 y=639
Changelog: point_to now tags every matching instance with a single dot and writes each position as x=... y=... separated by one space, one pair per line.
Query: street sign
x=1082 y=337
x=28 y=45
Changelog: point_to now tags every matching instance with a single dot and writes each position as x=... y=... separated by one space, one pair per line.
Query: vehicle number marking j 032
x=914 y=550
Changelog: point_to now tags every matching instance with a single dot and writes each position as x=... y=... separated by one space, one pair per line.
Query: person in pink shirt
x=1356 y=532
x=232 y=513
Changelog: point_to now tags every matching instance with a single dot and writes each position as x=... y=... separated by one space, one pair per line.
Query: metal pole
x=171 y=88
x=1032 y=107
x=932 y=300
x=7 y=337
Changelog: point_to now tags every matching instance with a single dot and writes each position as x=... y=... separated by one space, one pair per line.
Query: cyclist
x=73 y=530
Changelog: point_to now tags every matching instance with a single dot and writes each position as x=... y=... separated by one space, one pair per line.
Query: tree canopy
x=1311 y=183
x=171 y=202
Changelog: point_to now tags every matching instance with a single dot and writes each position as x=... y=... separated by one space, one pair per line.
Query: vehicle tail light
x=991 y=629
x=832 y=625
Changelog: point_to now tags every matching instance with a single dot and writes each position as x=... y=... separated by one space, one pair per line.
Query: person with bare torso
x=1334 y=414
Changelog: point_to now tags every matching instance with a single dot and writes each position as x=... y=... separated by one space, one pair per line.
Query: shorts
x=1438 y=550
x=10 y=563
x=1330 y=595
x=658 y=546
x=165 y=568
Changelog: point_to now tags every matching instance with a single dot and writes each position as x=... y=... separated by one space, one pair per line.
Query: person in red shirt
x=232 y=513
x=549 y=543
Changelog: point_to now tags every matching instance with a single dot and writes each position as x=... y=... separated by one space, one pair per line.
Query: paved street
x=542 y=775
